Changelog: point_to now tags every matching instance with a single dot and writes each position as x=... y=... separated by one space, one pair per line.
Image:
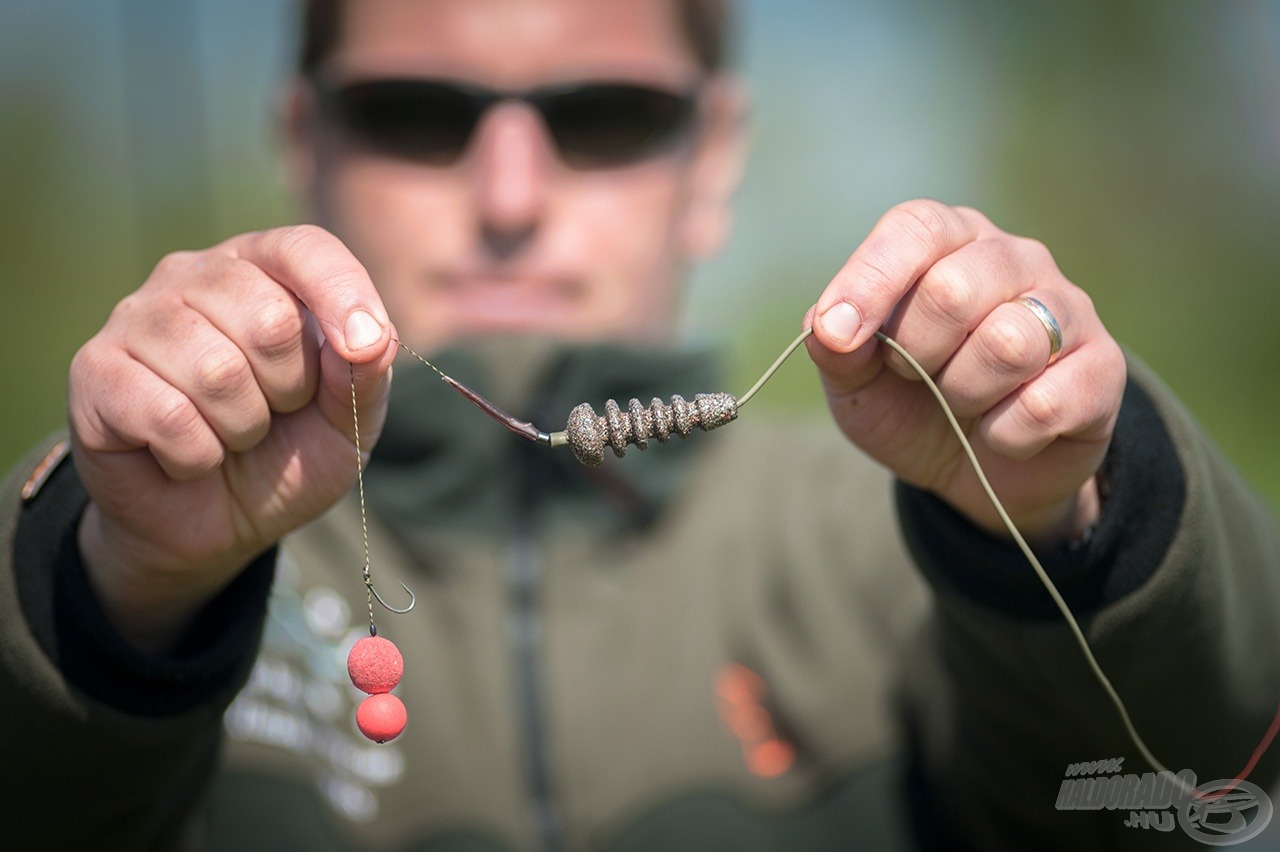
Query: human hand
x=212 y=414
x=941 y=282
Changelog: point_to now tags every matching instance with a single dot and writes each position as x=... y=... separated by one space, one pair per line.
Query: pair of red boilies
x=375 y=666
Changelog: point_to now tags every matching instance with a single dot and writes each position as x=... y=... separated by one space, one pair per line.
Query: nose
x=511 y=173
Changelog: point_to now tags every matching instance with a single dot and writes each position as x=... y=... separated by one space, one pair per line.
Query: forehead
x=514 y=42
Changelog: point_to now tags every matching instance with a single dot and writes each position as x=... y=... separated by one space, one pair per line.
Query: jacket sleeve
x=102 y=746
x=1177 y=591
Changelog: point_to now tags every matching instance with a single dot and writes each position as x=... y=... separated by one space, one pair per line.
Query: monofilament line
x=1043 y=575
x=773 y=368
x=1045 y=580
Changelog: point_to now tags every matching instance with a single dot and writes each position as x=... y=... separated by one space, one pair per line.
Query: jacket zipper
x=526 y=629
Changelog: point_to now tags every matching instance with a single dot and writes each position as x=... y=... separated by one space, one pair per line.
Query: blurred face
x=512 y=236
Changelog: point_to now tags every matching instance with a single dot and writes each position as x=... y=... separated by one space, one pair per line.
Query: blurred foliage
x=1124 y=135
x=1133 y=163
x=61 y=267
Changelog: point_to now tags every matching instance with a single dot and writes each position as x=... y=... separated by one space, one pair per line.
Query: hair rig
x=374 y=663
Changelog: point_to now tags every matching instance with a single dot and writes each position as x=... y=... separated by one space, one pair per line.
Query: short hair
x=706 y=24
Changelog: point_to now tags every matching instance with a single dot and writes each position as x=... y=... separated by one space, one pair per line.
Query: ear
x=717 y=168
x=297 y=138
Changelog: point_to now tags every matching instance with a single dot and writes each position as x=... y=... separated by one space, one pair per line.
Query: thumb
x=842 y=373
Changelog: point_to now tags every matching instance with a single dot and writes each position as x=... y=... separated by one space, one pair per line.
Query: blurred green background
x=1139 y=140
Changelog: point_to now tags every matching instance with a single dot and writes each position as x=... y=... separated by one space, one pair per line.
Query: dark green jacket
x=719 y=644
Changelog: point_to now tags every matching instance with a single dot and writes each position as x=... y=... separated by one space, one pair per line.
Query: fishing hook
x=413 y=599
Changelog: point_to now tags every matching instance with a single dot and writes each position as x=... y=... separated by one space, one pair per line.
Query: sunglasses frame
x=332 y=98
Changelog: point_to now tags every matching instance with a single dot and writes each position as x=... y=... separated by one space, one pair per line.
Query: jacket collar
x=442 y=463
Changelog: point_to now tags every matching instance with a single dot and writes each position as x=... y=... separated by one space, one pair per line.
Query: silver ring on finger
x=1047 y=320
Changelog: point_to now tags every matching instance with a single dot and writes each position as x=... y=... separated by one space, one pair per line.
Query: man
x=697 y=648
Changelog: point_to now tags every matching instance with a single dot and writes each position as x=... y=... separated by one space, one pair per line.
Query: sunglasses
x=594 y=125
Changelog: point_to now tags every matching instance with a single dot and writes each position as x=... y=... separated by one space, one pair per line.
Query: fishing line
x=588 y=433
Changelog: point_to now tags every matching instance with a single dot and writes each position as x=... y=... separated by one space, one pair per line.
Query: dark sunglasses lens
x=608 y=125
x=422 y=121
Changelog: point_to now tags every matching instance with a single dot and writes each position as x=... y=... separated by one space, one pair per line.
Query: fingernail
x=362 y=331
x=841 y=322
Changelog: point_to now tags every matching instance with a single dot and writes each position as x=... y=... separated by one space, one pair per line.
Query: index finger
x=335 y=287
x=902 y=246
